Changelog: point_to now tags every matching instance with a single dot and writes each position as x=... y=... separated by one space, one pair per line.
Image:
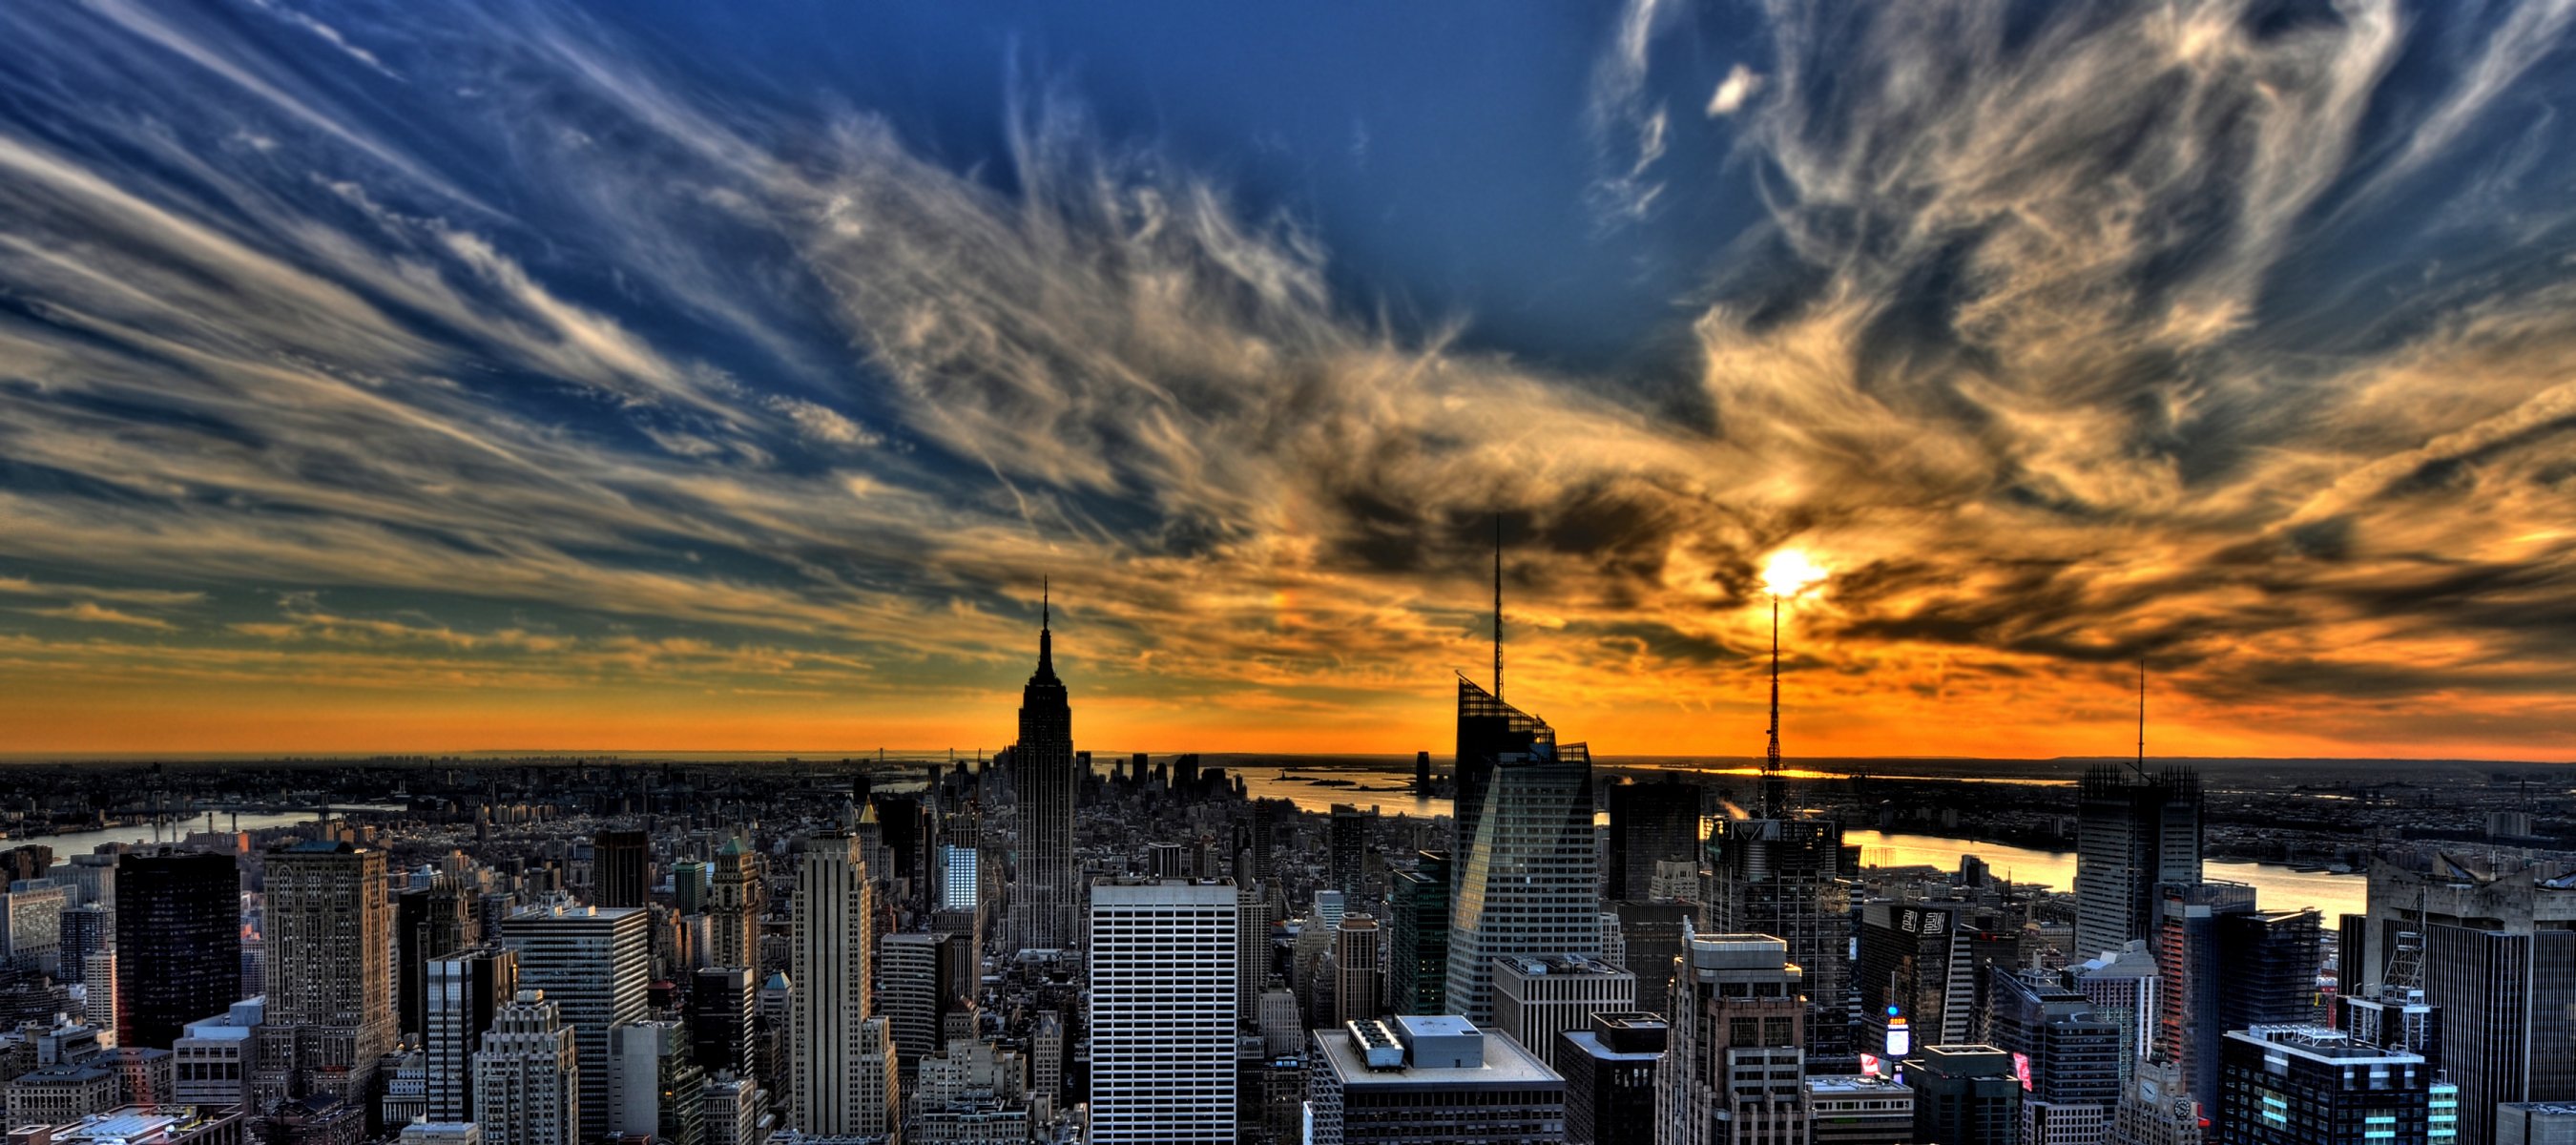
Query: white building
x=210 y=1060
x=441 y=1133
x=594 y=964
x=828 y=964
x=527 y=1076
x=1162 y=1012
x=1535 y=999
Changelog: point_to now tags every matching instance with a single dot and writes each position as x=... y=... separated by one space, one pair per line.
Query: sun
x=1790 y=572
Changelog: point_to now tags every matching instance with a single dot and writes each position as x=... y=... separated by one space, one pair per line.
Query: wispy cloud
x=2021 y=348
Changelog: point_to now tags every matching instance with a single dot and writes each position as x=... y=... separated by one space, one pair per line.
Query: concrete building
x=736 y=903
x=2126 y=986
x=915 y=989
x=440 y=1133
x=1609 y=1069
x=654 y=1084
x=138 y=1124
x=55 y=1094
x=1163 y=1050
x=1415 y=1079
x=1859 y=1109
x=593 y=964
x=972 y=1093
x=329 y=947
x=1355 y=977
x=1735 y=1074
x=828 y=964
x=2535 y=1123
x=527 y=1076
x=1538 y=998
x=210 y=1060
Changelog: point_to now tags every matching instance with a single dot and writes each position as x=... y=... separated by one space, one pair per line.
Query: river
x=72 y=843
x=2274 y=886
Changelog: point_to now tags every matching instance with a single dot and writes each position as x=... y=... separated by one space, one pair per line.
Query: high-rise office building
x=1609 y=1069
x=1535 y=999
x=735 y=905
x=2126 y=986
x=329 y=947
x=2156 y=1108
x=1046 y=901
x=1346 y=854
x=2229 y=966
x=178 y=925
x=2493 y=947
x=593 y=964
x=432 y=918
x=2133 y=833
x=2535 y=1123
x=1163 y=1012
x=876 y=1097
x=1430 y=1078
x=654 y=1085
x=1785 y=877
x=527 y=1076
x=1649 y=823
x=2309 y=1085
x=722 y=1011
x=2070 y=1054
x=915 y=990
x=1355 y=977
x=466 y=990
x=621 y=870
x=1735 y=1073
x=1417 y=975
x=1251 y=950
x=1528 y=878
x=1651 y=933
x=1965 y=1095
x=828 y=964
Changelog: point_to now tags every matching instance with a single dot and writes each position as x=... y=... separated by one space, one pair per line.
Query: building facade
x=1162 y=1020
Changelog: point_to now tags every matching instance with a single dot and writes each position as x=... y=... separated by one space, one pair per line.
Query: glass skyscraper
x=1528 y=878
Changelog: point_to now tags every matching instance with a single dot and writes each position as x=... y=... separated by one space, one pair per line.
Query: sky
x=683 y=376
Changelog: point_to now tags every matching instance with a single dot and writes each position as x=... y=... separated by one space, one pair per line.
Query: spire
x=1046 y=634
x=1498 y=606
x=2142 y=714
x=1772 y=790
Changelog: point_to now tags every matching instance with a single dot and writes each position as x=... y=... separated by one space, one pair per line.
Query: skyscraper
x=1163 y=1012
x=1417 y=936
x=828 y=965
x=330 y=983
x=1734 y=1074
x=1422 y=1078
x=2133 y=833
x=1965 y=1095
x=178 y=928
x=1535 y=999
x=914 y=992
x=735 y=904
x=1785 y=877
x=527 y=1076
x=1355 y=953
x=466 y=991
x=432 y=918
x=1347 y=850
x=593 y=964
x=1649 y=823
x=1528 y=882
x=1918 y=970
x=622 y=868
x=723 y=1007
x=2313 y=1086
x=1046 y=902
x=2494 y=947
x=1609 y=1069
x=654 y=1084
x=2073 y=1055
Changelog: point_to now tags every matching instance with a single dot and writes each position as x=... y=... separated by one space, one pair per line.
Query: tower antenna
x=2141 y=765
x=1774 y=791
x=1498 y=605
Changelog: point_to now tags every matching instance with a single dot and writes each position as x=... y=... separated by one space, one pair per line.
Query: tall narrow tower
x=1048 y=897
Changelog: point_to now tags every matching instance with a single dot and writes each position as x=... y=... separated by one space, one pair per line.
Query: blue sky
x=660 y=375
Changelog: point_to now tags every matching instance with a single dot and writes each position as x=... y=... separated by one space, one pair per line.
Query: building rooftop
x=1505 y=1066
x=1856 y=1085
x=1534 y=966
x=2319 y=1043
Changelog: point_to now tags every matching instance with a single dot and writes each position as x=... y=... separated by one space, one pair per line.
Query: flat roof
x=1590 y=1044
x=1856 y=1085
x=1506 y=1066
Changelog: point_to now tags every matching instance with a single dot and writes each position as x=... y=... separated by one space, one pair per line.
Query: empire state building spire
x=1046 y=635
x=1047 y=902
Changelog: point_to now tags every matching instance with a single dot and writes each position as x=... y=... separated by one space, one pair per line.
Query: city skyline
x=665 y=378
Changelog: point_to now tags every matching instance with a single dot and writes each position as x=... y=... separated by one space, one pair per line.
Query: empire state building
x=1046 y=903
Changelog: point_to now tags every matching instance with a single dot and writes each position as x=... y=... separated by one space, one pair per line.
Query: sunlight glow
x=1790 y=572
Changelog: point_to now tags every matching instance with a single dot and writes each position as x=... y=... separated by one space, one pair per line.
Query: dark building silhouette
x=1650 y=823
x=1653 y=934
x=1965 y=1095
x=1488 y=729
x=1047 y=901
x=1610 y=1078
x=178 y=937
x=1786 y=878
x=621 y=868
x=1348 y=851
x=722 y=1011
x=431 y=921
x=1417 y=975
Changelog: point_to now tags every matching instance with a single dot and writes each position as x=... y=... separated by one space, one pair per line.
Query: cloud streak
x=2024 y=344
